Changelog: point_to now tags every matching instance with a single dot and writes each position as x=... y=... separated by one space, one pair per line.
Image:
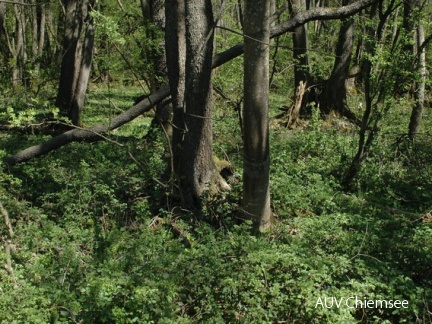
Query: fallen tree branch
x=89 y=134
x=95 y=132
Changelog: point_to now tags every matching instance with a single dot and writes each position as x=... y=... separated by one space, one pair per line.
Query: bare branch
x=89 y=134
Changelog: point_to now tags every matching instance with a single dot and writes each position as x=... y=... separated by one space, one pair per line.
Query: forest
x=215 y=161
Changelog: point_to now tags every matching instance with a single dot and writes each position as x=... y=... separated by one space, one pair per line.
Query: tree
x=78 y=99
x=334 y=96
x=154 y=12
x=2 y=15
x=98 y=131
x=413 y=24
x=76 y=59
x=189 y=48
x=419 y=94
x=300 y=54
x=256 y=159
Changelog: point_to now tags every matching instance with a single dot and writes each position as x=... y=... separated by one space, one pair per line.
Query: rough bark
x=256 y=159
x=416 y=115
x=190 y=79
x=78 y=99
x=71 y=59
x=42 y=22
x=334 y=96
x=18 y=48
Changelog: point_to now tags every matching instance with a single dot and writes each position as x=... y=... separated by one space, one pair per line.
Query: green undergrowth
x=98 y=238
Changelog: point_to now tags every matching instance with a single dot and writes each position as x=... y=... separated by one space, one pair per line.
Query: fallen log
x=91 y=133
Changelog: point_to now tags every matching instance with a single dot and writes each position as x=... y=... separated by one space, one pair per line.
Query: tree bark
x=154 y=11
x=368 y=129
x=416 y=115
x=300 y=52
x=256 y=160
x=78 y=99
x=189 y=69
x=18 y=49
x=42 y=22
x=2 y=15
x=71 y=59
x=334 y=96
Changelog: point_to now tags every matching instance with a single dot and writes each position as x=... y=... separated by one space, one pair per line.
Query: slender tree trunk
x=417 y=111
x=35 y=30
x=190 y=80
x=42 y=22
x=2 y=15
x=154 y=11
x=368 y=128
x=256 y=160
x=300 y=52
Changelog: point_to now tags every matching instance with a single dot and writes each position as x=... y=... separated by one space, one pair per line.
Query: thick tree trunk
x=334 y=96
x=256 y=160
x=76 y=61
x=417 y=111
x=78 y=99
x=71 y=59
x=189 y=70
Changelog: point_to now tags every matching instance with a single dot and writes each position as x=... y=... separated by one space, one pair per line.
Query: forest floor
x=97 y=237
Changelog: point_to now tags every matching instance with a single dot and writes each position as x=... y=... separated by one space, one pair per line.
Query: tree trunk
x=368 y=129
x=71 y=59
x=334 y=96
x=300 y=52
x=256 y=160
x=18 y=48
x=190 y=79
x=2 y=15
x=78 y=99
x=42 y=22
x=154 y=11
x=417 y=111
